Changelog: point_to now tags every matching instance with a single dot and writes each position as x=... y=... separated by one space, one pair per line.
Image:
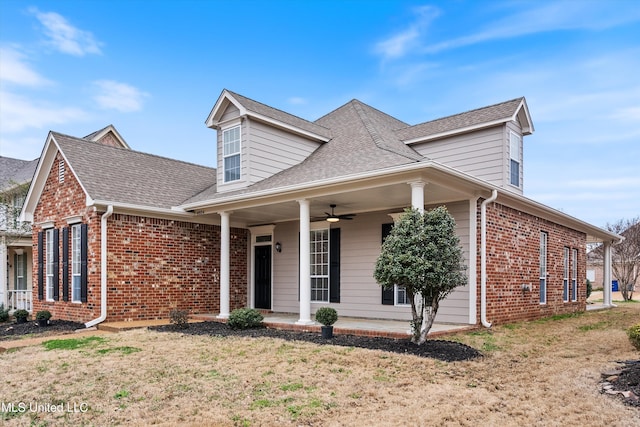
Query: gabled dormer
x=108 y=135
x=255 y=141
x=485 y=143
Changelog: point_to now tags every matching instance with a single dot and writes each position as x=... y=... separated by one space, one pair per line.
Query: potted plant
x=43 y=317
x=327 y=316
x=21 y=316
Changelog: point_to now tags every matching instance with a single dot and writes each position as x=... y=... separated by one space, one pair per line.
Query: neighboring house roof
x=268 y=114
x=492 y=115
x=363 y=140
x=15 y=172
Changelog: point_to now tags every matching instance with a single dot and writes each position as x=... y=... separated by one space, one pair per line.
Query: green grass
x=72 y=343
x=123 y=350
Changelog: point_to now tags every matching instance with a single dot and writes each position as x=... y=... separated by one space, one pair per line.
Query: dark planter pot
x=327 y=332
x=21 y=320
x=43 y=322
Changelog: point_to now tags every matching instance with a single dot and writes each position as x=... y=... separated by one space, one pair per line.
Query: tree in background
x=422 y=254
x=625 y=256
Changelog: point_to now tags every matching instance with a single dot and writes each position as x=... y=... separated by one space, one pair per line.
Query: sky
x=155 y=70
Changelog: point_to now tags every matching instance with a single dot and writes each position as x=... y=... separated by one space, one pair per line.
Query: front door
x=262 y=277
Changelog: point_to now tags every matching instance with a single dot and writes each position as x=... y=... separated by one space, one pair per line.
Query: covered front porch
x=16 y=289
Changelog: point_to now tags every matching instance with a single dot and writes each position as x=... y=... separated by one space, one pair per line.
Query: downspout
x=103 y=269
x=483 y=258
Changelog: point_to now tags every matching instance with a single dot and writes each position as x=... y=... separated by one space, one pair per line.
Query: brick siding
x=513 y=259
x=154 y=265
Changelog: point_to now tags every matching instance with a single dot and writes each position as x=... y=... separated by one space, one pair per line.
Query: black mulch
x=13 y=330
x=447 y=351
x=627 y=380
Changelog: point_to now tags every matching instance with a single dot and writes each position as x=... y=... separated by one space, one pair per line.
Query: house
x=293 y=217
x=15 y=236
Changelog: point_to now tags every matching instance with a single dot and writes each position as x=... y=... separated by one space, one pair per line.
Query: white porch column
x=417 y=194
x=305 y=269
x=4 y=272
x=225 y=233
x=606 y=272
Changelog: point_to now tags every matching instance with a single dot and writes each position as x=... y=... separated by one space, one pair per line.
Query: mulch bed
x=12 y=330
x=447 y=351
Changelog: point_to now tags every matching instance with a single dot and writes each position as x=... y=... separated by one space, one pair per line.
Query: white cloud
x=403 y=42
x=14 y=69
x=118 y=96
x=296 y=100
x=65 y=37
x=18 y=113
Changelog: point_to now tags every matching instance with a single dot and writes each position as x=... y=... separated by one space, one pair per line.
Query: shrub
x=245 y=318
x=180 y=318
x=43 y=315
x=4 y=313
x=634 y=335
x=21 y=314
x=327 y=316
x=589 y=288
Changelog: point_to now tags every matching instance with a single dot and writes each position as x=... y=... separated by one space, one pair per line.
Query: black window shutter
x=65 y=264
x=56 y=264
x=334 y=265
x=387 y=293
x=41 y=283
x=83 y=262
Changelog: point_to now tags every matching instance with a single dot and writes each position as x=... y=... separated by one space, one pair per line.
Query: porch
x=19 y=299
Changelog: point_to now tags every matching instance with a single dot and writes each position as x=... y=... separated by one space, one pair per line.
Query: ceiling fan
x=332 y=217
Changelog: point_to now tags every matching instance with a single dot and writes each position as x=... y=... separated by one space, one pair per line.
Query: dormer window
x=514 y=154
x=231 y=153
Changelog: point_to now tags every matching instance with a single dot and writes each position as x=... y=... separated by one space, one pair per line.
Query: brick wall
x=154 y=265
x=513 y=259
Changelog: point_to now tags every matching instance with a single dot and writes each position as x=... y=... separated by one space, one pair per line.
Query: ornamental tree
x=422 y=254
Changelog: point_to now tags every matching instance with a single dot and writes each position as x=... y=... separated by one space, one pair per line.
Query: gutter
x=483 y=258
x=103 y=269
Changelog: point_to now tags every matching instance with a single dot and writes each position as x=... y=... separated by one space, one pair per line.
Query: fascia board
x=224 y=98
x=167 y=213
x=457 y=131
x=288 y=127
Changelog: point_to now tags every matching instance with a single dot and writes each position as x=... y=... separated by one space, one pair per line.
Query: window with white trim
x=574 y=275
x=76 y=263
x=319 y=252
x=231 y=153
x=49 y=264
x=565 y=278
x=514 y=156
x=21 y=271
x=543 y=267
x=402 y=297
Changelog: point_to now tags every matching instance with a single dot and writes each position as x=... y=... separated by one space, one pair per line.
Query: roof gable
x=258 y=111
x=108 y=136
x=513 y=110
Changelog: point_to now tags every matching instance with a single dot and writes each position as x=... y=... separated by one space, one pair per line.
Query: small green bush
x=180 y=318
x=589 y=288
x=43 y=315
x=4 y=313
x=634 y=335
x=327 y=316
x=245 y=318
x=21 y=314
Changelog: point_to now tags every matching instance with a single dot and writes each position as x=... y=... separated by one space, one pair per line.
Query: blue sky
x=155 y=69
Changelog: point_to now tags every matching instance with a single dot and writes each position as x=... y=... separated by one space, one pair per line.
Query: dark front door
x=262 y=277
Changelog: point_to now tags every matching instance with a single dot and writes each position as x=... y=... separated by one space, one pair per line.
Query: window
x=49 y=264
x=565 y=278
x=574 y=275
x=320 y=265
x=21 y=271
x=543 y=267
x=75 y=263
x=231 y=154
x=402 y=298
x=514 y=155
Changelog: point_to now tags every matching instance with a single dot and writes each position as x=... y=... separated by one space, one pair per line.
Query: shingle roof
x=279 y=115
x=15 y=171
x=125 y=176
x=363 y=140
x=502 y=111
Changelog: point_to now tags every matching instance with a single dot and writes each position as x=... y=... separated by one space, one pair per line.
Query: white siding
x=360 y=295
x=513 y=127
x=481 y=153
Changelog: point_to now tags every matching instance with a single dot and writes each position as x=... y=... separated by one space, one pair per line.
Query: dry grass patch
x=542 y=373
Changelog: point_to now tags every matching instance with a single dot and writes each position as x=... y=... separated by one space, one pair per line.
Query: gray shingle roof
x=125 y=176
x=502 y=111
x=281 y=116
x=15 y=171
x=363 y=140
